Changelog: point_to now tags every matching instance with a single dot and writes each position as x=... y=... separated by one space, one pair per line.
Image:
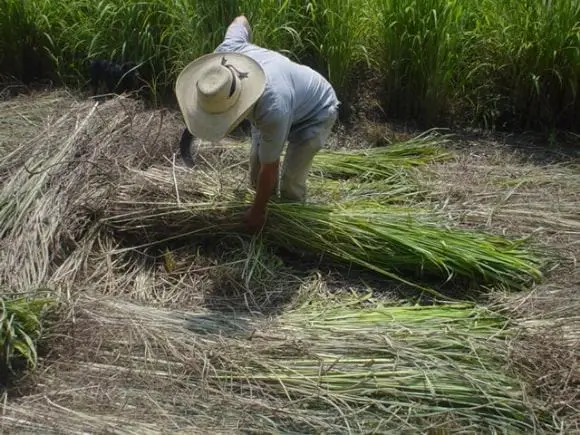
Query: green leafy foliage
x=20 y=329
x=23 y=40
x=525 y=62
x=507 y=63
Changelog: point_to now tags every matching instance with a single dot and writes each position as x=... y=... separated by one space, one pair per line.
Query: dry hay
x=121 y=366
x=507 y=192
x=71 y=167
x=125 y=368
x=24 y=117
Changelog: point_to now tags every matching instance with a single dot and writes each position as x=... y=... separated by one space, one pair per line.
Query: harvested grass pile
x=386 y=174
x=399 y=243
x=386 y=164
x=429 y=364
x=330 y=368
x=51 y=184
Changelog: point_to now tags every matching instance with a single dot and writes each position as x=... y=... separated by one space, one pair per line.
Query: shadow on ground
x=531 y=147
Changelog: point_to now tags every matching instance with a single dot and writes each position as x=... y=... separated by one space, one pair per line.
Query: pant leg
x=298 y=162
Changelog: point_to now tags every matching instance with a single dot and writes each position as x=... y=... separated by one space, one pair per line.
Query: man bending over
x=283 y=100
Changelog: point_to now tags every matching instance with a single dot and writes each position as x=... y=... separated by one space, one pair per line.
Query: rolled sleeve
x=273 y=124
x=273 y=136
x=236 y=35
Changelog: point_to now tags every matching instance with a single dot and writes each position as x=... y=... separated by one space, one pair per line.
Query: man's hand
x=254 y=219
x=255 y=216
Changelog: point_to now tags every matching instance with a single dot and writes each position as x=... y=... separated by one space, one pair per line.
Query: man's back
x=295 y=98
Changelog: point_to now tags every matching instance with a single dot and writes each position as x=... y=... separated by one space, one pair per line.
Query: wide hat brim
x=215 y=126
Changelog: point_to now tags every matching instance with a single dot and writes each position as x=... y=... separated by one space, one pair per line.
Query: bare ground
x=123 y=359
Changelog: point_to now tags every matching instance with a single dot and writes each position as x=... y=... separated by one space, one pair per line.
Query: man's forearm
x=265 y=187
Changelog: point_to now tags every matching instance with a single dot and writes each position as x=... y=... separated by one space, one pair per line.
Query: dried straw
x=315 y=369
x=396 y=242
x=53 y=183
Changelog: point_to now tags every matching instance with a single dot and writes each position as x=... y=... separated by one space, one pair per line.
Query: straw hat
x=215 y=93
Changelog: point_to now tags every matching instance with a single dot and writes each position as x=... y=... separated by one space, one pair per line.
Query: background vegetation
x=508 y=64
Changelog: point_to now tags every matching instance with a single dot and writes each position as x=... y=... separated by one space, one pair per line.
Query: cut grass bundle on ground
x=385 y=163
x=327 y=367
x=402 y=244
x=399 y=243
x=390 y=191
x=20 y=329
x=389 y=368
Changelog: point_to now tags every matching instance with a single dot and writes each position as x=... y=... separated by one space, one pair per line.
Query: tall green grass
x=335 y=38
x=23 y=40
x=418 y=47
x=501 y=63
x=526 y=62
x=133 y=30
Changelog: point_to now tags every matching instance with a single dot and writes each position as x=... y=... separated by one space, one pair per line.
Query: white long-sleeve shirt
x=296 y=100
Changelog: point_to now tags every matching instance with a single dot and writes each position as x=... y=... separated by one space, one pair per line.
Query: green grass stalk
x=392 y=367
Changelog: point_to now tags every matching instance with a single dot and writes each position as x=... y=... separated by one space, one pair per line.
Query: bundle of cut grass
x=388 y=164
x=399 y=243
x=384 y=191
x=388 y=368
x=320 y=368
x=20 y=329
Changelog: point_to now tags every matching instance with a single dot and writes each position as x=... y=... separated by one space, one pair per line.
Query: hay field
x=170 y=319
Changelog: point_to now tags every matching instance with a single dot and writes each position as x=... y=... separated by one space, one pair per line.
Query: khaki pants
x=296 y=165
